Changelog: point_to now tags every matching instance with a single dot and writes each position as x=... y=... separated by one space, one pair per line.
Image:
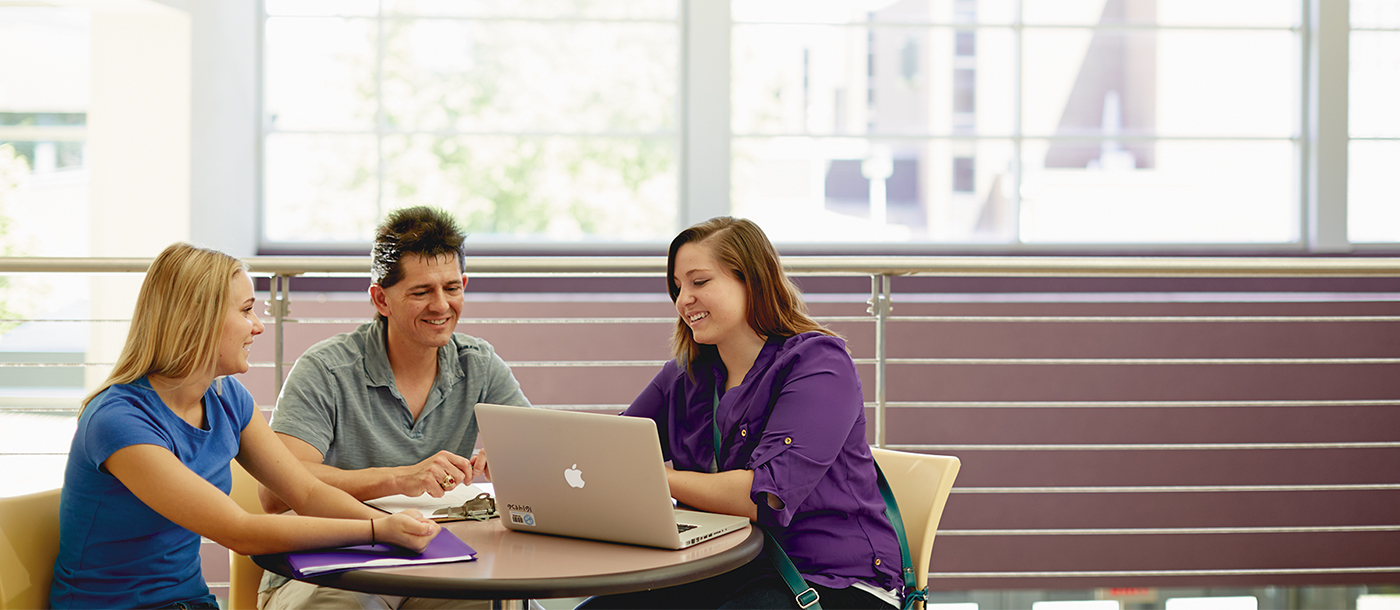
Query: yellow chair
x=28 y=547
x=244 y=576
x=921 y=484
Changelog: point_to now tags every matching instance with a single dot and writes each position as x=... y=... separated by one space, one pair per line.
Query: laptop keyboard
x=682 y=528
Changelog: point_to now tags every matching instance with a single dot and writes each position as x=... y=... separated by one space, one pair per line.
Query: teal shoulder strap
x=808 y=598
x=911 y=594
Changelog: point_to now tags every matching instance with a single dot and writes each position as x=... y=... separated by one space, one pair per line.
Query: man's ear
x=464 y=280
x=380 y=300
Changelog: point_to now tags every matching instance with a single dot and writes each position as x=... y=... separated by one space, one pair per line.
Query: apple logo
x=574 y=476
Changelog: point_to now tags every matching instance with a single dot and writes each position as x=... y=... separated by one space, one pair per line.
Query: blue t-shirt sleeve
x=117 y=423
x=237 y=400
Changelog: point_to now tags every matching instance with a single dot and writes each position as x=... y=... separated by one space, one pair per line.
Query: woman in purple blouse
x=792 y=454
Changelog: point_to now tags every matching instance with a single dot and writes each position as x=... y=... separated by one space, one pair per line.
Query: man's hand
x=434 y=476
x=480 y=466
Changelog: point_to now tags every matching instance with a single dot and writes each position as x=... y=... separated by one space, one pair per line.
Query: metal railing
x=880 y=271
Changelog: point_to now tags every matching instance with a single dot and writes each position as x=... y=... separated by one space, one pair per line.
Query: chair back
x=921 y=484
x=28 y=548
x=244 y=576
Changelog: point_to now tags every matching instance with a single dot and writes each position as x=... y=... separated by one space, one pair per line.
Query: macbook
x=588 y=475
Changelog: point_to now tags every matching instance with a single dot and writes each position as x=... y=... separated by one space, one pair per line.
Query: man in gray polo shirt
x=389 y=408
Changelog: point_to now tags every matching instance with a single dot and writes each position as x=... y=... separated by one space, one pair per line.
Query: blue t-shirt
x=114 y=551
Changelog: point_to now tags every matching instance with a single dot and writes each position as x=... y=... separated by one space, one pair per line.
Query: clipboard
x=430 y=506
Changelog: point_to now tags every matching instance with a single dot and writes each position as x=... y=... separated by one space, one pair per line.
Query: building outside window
x=906 y=123
x=1374 y=151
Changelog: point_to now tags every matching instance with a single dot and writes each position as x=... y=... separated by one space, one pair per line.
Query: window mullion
x=1327 y=39
x=705 y=125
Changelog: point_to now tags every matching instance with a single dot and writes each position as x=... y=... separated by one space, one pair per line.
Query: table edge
x=372 y=581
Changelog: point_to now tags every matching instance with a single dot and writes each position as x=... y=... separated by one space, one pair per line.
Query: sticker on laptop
x=521 y=515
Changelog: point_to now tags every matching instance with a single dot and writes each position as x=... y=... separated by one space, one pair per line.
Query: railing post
x=278 y=306
x=880 y=307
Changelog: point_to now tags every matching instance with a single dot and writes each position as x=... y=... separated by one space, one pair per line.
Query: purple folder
x=445 y=548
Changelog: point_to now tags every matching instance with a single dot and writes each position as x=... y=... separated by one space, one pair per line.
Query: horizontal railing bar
x=1018 y=25
x=1135 y=489
x=1028 y=361
x=944 y=361
x=1144 y=319
x=581 y=363
x=940 y=319
x=18 y=404
x=70 y=407
x=61 y=365
x=1138 y=404
x=999 y=266
x=670 y=320
x=1141 y=361
x=23 y=403
x=30 y=403
x=1154 y=531
x=1152 y=573
x=47 y=320
x=1151 y=446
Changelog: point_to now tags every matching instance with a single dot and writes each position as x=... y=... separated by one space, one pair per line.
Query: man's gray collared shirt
x=340 y=397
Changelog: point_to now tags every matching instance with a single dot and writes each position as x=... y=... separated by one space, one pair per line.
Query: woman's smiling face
x=711 y=300
x=241 y=326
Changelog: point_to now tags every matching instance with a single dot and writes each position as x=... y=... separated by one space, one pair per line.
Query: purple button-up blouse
x=798 y=422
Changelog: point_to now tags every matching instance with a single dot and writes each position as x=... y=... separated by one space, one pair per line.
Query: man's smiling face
x=424 y=305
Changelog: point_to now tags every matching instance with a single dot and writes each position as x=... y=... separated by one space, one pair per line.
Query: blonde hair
x=775 y=306
x=179 y=317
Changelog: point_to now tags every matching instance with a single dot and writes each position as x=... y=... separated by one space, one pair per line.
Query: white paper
x=388 y=562
x=425 y=503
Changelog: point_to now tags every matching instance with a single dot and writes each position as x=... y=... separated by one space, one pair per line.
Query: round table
x=519 y=565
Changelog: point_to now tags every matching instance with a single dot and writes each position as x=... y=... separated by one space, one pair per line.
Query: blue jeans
x=755 y=585
x=199 y=603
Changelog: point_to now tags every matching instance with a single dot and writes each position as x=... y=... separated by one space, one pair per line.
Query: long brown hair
x=179 y=316
x=775 y=306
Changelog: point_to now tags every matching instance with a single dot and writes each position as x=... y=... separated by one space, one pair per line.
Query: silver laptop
x=588 y=475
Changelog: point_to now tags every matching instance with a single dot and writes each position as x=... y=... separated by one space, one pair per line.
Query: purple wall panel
x=1075 y=424
x=972 y=511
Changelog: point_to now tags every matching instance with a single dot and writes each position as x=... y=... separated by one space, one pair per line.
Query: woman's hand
x=407 y=529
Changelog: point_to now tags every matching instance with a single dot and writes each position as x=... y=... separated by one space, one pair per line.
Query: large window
x=957 y=121
x=1374 y=154
x=928 y=123
x=537 y=121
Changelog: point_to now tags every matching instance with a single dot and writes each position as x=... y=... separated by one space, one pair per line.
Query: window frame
x=705 y=140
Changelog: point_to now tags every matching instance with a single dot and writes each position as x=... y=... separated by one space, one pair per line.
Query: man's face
x=423 y=307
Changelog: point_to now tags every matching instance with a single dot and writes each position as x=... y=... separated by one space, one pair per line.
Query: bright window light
x=1213 y=603
x=957 y=606
x=1378 y=602
x=1088 y=604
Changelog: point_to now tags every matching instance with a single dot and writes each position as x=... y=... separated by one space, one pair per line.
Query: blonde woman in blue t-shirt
x=148 y=472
